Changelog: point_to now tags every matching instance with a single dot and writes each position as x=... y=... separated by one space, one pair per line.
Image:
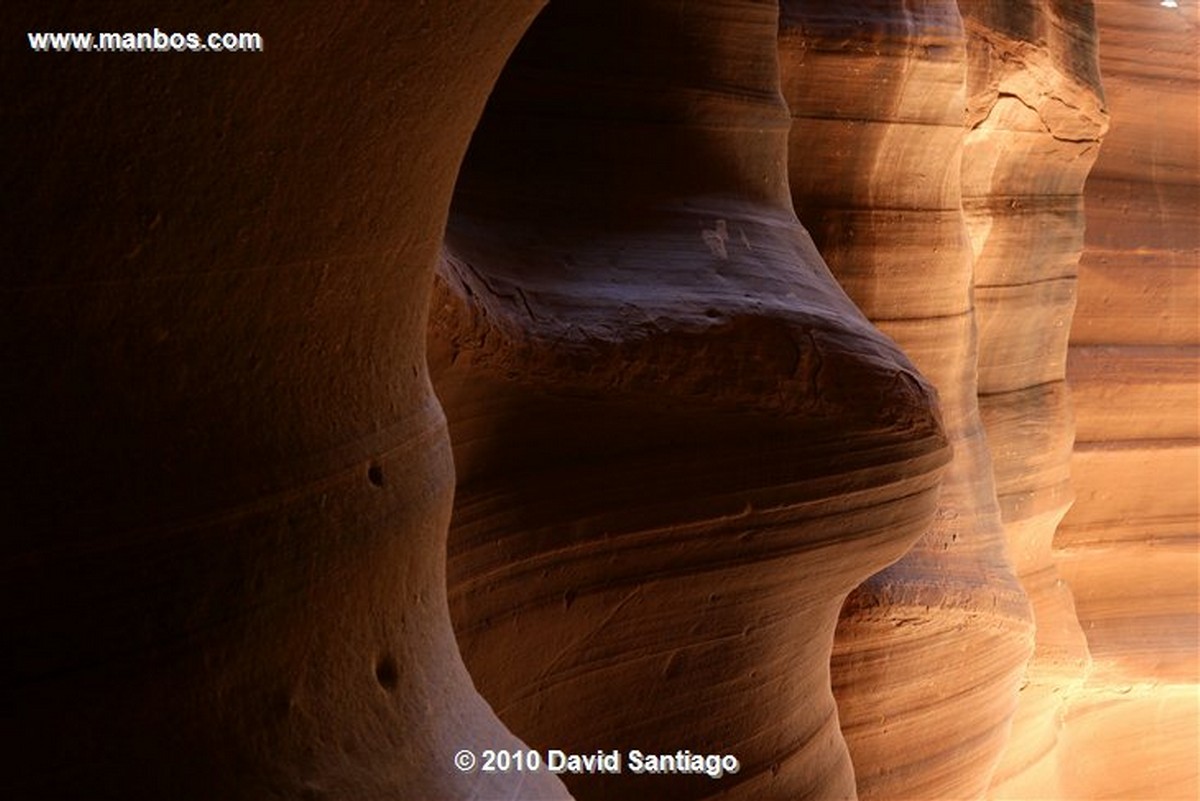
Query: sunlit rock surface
x=877 y=92
x=1128 y=547
x=1035 y=118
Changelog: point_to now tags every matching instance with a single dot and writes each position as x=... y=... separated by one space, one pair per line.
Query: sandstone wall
x=679 y=444
x=754 y=410
x=878 y=93
x=1128 y=547
x=1035 y=120
x=228 y=480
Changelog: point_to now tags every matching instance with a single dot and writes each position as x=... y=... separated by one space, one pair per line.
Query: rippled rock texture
x=679 y=444
x=1128 y=547
x=1035 y=118
x=748 y=323
x=878 y=91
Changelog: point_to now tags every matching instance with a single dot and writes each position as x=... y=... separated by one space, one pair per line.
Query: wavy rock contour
x=224 y=545
x=679 y=445
x=877 y=94
x=1036 y=118
x=1129 y=547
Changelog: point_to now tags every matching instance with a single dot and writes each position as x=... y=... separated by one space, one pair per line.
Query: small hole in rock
x=387 y=673
x=375 y=475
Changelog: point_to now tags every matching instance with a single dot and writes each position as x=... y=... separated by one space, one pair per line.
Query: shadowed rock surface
x=225 y=521
x=679 y=445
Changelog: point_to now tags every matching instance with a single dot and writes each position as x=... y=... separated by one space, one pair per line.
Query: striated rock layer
x=687 y=466
x=1129 y=547
x=1035 y=121
x=223 y=562
x=679 y=445
x=929 y=653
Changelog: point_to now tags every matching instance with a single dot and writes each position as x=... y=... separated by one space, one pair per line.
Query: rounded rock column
x=679 y=444
x=1035 y=120
x=225 y=519
x=929 y=653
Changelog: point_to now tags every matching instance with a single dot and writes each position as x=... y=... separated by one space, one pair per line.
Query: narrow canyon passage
x=440 y=389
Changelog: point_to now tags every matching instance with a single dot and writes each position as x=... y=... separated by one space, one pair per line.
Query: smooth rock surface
x=1129 y=548
x=229 y=481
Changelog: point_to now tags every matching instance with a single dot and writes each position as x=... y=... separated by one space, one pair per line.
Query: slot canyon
x=522 y=400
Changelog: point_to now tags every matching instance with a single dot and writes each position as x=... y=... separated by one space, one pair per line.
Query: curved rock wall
x=679 y=445
x=1128 y=547
x=225 y=520
x=877 y=92
x=1035 y=117
x=686 y=466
